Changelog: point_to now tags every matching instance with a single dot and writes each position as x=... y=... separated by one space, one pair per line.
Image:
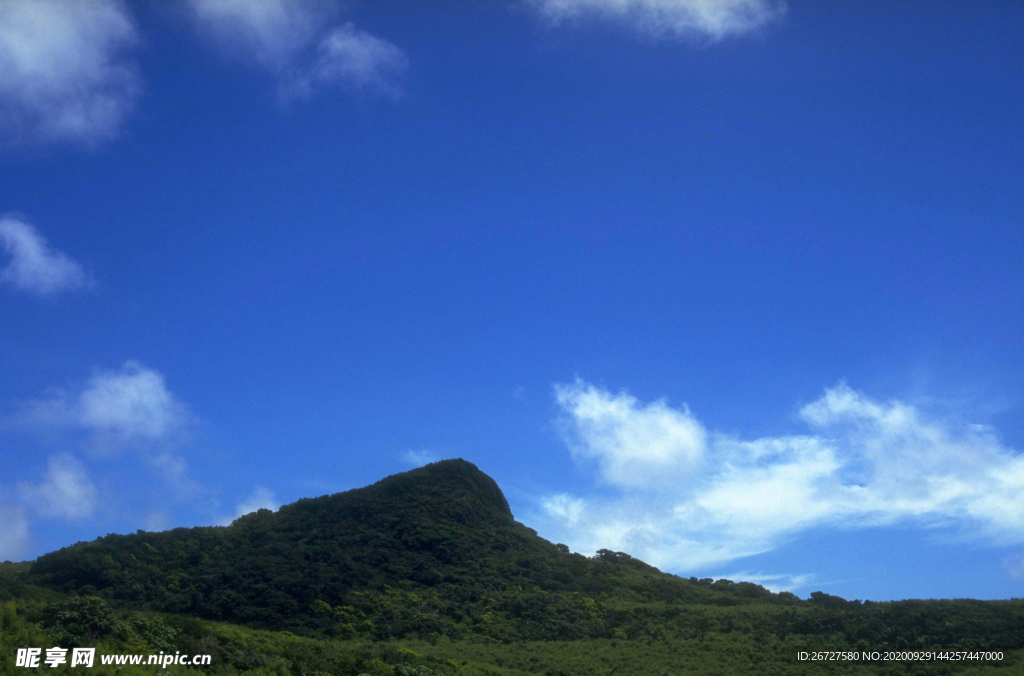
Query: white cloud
x=293 y=40
x=270 y=32
x=129 y=404
x=634 y=445
x=14 y=535
x=34 y=267
x=417 y=457
x=773 y=582
x=866 y=464
x=64 y=70
x=156 y=521
x=353 y=57
x=760 y=501
x=707 y=20
x=125 y=410
x=172 y=468
x=1014 y=565
x=67 y=492
x=565 y=507
x=260 y=498
x=120 y=408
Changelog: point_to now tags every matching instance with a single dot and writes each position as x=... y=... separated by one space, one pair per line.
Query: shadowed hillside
x=445 y=530
x=435 y=552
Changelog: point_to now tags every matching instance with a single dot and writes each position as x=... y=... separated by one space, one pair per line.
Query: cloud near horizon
x=65 y=71
x=295 y=41
x=124 y=413
x=684 y=497
x=418 y=457
x=260 y=498
x=14 y=531
x=704 y=20
x=34 y=267
x=773 y=583
x=67 y=492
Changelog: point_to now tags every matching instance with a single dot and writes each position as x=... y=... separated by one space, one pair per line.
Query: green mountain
x=427 y=573
x=443 y=533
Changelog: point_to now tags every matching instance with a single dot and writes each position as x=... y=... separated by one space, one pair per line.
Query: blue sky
x=732 y=286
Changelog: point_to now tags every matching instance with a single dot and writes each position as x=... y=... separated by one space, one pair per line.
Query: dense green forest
x=427 y=572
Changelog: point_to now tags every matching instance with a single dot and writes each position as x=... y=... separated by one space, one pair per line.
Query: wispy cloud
x=66 y=493
x=294 y=40
x=634 y=445
x=14 y=533
x=1014 y=565
x=417 y=457
x=272 y=33
x=773 y=582
x=156 y=521
x=565 y=507
x=684 y=497
x=65 y=69
x=120 y=408
x=704 y=20
x=352 y=57
x=33 y=266
x=131 y=403
x=133 y=426
x=260 y=498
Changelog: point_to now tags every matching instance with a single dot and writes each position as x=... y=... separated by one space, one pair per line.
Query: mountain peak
x=449 y=490
x=444 y=529
x=456 y=479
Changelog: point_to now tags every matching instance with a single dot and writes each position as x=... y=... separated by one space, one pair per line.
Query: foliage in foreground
x=436 y=553
x=426 y=573
x=725 y=640
x=748 y=639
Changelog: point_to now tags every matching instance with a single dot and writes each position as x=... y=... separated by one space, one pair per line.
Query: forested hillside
x=433 y=559
x=428 y=549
